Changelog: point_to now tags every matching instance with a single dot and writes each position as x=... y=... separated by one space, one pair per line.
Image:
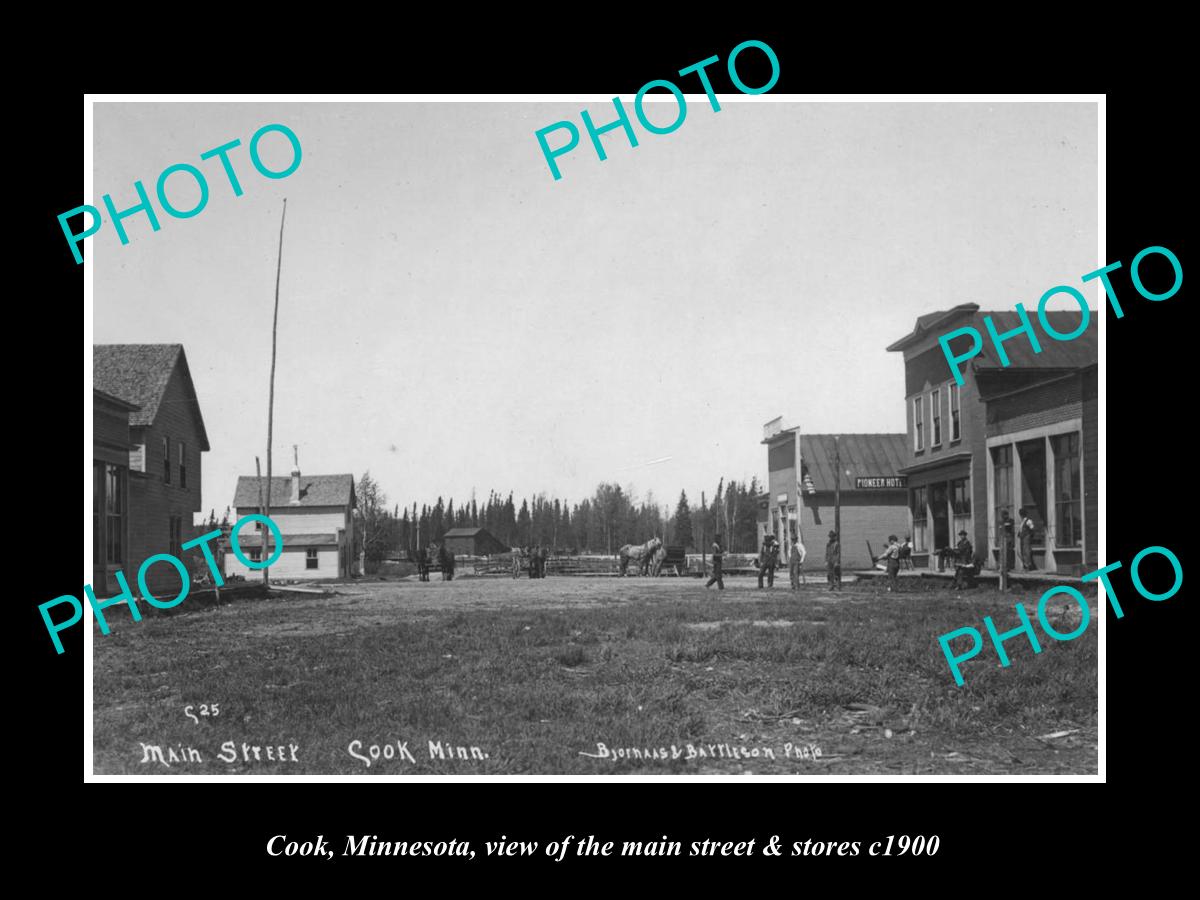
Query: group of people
x=768 y=560
x=1024 y=536
x=439 y=552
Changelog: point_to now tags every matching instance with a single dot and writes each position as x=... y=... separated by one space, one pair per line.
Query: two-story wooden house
x=1021 y=435
x=314 y=513
x=146 y=505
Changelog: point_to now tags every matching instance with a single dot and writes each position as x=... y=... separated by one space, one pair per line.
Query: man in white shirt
x=796 y=562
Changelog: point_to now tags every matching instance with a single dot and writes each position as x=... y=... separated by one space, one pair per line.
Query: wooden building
x=473 y=542
x=872 y=492
x=152 y=385
x=1021 y=435
x=314 y=513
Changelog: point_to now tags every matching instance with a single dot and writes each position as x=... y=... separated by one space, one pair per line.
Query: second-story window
x=166 y=448
x=182 y=464
x=935 y=419
x=955 y=413
x=918 y=425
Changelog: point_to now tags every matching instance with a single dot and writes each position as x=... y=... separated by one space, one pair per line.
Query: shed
x=473 y=542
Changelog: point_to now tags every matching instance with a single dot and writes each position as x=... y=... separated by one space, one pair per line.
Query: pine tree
x=683 y=523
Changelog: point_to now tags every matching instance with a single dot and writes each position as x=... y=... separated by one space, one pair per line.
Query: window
x=1002 y=466
x=1068 y=519
x=166 y=447
x=960 y=505
x=310 y=560
x=955 y=414
x=935 y=419
x=918 y=425
x=97 y=502
x=114 y=513
x=920 y=519
x=255 y=554
x=176 y=539
x=182 y=464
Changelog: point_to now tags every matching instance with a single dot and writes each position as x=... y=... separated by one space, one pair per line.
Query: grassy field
x=531 y=677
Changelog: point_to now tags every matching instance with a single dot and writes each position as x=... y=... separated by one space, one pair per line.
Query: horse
x=641 y=552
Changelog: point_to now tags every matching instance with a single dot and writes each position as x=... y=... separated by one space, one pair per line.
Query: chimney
x=295 y=474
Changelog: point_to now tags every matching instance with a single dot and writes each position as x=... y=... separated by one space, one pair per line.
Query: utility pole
x=258 y=473
x=271 y=396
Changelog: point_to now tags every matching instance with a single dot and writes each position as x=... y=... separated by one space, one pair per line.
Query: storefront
x=940 y=508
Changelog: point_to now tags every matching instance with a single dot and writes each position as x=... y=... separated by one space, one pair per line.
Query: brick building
x=160 y=482
x=1022 y=435
x=872 y=491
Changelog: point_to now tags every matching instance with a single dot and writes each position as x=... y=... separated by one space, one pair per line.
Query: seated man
x=965 y=569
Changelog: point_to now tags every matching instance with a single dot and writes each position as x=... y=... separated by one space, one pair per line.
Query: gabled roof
x=139 y=374
x=863 y=454
x=464 y=532
x=1062 y=355
x=315 y=490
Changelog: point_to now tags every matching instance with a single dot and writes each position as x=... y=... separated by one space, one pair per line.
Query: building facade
x=165 y=437
x=110 y=487
x=473 y=542
x=1021 y=435
x=315 y=515
x=865 y=470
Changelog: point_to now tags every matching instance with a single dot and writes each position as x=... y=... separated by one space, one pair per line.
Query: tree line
x=611 y=516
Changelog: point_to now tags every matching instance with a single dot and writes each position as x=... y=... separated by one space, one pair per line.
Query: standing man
x=891 y=558
x=833 y=562
x=1025 y=539
x=796 y=561
x=1006 y=542
x=766 y=560
x=964 y=558
x=717 y=554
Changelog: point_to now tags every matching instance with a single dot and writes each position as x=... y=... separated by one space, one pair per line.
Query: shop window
x=918 y=425
x=920 y=521
x=1068 y=517
x=955 y=413
x=311 y=559
x=98 y=476
x=935 y=419
x=1002 y=473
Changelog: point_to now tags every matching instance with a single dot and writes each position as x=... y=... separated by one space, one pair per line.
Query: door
x=1033 y=485
x=940 y=510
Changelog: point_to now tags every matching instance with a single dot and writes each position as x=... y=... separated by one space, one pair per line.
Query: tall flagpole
x=271 y=400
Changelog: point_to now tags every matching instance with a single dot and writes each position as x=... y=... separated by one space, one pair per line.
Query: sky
x=455 y=320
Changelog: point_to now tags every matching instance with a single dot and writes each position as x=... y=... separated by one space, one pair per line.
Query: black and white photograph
x=511 y=436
